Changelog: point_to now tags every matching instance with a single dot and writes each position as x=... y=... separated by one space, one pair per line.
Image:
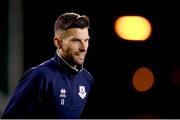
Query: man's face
x=74 y=45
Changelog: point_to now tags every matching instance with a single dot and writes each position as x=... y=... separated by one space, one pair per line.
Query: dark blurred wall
x=3 y=46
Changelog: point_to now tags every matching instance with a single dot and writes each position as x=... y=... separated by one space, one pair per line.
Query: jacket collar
x=63 y=63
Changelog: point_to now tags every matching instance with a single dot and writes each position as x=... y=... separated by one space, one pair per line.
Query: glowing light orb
x=143 y=79
x=135 y=28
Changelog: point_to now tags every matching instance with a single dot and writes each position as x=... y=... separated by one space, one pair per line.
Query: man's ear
x=57 y=42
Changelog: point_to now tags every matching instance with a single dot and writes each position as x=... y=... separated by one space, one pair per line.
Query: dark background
x=111 y=60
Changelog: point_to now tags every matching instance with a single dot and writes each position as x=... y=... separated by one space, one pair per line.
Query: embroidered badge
x=82 y=92
x=62 y=95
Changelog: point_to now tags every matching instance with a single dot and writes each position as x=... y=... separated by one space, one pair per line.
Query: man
x=59 y=87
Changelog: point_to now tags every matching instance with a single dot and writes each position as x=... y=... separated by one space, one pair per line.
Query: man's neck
x=71 y=66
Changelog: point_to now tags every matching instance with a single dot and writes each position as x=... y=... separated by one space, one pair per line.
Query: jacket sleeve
x=25 y=100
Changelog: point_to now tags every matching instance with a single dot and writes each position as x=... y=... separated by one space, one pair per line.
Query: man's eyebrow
x=79 y=39
x=87 y=38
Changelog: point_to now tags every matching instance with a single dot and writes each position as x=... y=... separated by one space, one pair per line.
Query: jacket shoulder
x=88 y=75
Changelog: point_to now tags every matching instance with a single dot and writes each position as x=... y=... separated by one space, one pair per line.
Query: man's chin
x=79 y=62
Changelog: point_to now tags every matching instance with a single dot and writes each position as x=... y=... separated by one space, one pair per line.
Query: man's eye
x=75 y=40
x=87 y=40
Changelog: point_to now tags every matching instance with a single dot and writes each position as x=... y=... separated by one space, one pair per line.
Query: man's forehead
x=77 y=33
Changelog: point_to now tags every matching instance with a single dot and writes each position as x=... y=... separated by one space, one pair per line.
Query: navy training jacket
x=50 y=90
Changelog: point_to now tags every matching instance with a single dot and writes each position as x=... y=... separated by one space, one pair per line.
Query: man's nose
x=83 y=46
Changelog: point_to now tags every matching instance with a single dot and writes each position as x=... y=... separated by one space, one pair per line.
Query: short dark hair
x=71 y=20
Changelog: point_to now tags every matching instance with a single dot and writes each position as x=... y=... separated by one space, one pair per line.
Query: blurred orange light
x=136 y=28
x=143 y=79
